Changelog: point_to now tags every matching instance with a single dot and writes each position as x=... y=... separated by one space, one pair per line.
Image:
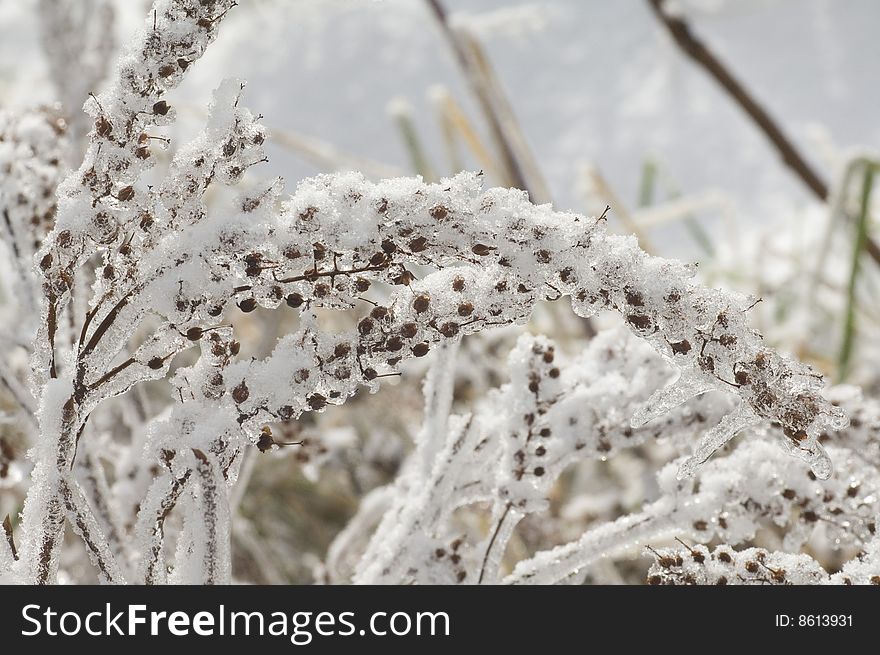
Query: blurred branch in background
x=79 y=44
x=506 y=135
x=329 y=157
x=324 y=155
x=681 y=33
x=401 y=113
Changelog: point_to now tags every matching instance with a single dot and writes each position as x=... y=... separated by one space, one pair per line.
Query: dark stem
x=80 y=520
x=492 y=542
x=158 y=533
x=7 y=530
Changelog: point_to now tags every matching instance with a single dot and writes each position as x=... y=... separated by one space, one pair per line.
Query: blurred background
x=586 y=104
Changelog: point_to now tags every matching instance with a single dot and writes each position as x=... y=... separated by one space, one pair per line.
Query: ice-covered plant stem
x=97 y=206
x=167 y=271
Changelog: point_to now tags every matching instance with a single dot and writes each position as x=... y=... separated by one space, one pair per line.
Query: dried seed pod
x=418 y=244
x=682 y=347
x=449 y=329
x=421 y=303
x=265 y=442
x=247 y=305
x=241 y=392
x=405 y=278
x=103 y=128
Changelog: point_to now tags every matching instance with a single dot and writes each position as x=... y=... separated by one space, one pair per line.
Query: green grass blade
x=849 y=325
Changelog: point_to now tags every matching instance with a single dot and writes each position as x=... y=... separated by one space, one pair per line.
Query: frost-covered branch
x=698 y=565
x=513 y=448
x=337 y=232
x=97 y=207
x=420 y=266
x=729 y=499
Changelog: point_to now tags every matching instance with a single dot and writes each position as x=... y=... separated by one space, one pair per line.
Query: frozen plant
x=722 y=566
x=423 y=266
x=508 y=453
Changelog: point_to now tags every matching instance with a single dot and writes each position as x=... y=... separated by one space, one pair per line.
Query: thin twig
x=492 y=541
x=607 y=194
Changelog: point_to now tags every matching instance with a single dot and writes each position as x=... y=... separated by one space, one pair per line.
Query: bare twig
x=492 y=540
x=697 y=50
x=608 y=194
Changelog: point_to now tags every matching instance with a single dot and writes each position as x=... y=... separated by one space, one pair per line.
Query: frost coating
x=337 y=230
x=168 y=272
x=698 y=565
x=511 y=451
x=724 y=566
x=729 y=499
x=97 y=208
